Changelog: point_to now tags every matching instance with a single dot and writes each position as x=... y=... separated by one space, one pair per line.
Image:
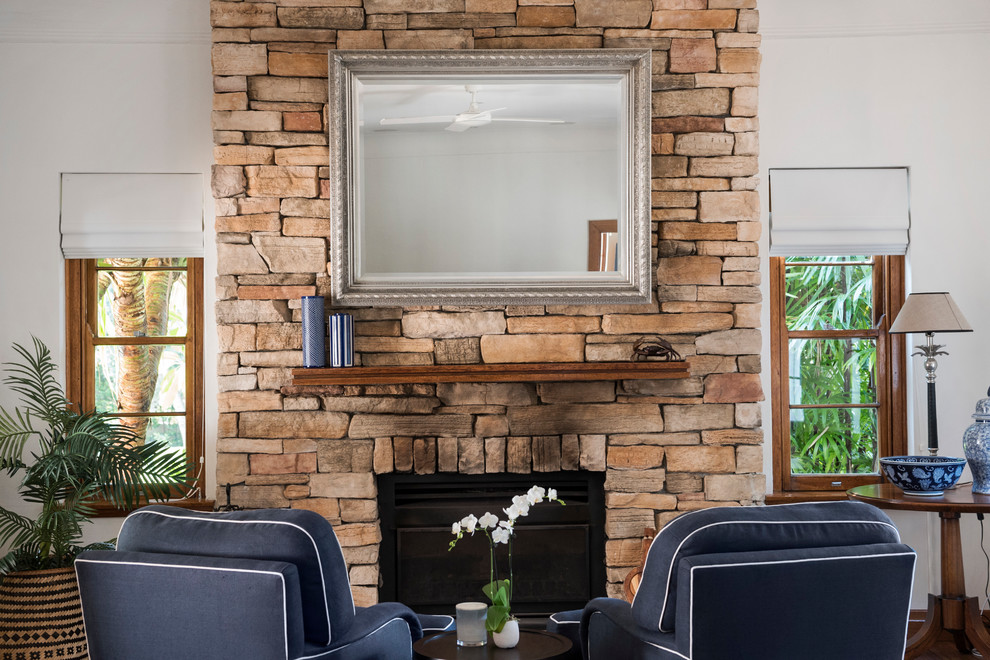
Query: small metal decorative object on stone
x=976 y=444
x=654 y=346
x=228 y=506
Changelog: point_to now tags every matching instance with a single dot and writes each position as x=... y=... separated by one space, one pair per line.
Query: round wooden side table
x=533 y=645
x=951 y=610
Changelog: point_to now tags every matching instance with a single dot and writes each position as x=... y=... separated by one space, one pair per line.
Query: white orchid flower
x=502 y=531
x=535 y=495
x=513 y=512
x=488 y=520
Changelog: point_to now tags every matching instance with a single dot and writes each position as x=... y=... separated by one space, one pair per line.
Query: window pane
x=834 y=441
x=178 y=262
x=842 y=258
x=134 y=303
x=140 y=379
x=832 y=371
x=167 y=429
x=171 y=429
x=831 y=296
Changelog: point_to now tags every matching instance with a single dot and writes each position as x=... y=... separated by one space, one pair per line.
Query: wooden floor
x=944 y=649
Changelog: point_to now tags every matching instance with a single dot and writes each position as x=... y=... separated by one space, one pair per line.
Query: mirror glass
x=490 y=178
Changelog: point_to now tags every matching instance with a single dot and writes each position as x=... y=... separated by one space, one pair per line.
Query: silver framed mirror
x=490 y=177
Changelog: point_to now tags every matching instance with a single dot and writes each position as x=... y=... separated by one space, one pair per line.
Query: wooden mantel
x=491 y=373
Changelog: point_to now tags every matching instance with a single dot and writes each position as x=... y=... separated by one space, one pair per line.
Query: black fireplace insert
x=558 y=551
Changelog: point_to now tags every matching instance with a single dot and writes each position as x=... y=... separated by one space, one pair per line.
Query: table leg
x=976 y=632
x=930 y=629
x=953 y=581
x=952 y=610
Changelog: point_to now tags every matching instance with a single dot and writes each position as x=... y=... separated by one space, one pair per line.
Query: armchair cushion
x=386 y=630
x=294 y=536
x=435 y=623
x=568 y=624
x=608 y=628
x=781 y=527
x=862 y=586
x=131 y=591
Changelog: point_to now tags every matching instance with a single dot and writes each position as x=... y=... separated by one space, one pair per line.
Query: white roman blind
x=839 y=211
x=132 y=215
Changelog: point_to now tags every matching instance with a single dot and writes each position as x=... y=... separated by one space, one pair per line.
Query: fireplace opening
x=558 y=551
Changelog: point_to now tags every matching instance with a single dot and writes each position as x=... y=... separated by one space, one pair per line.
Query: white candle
x=471 y=624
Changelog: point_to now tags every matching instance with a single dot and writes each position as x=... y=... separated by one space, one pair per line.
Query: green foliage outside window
x=836 y=295
x=834 y=437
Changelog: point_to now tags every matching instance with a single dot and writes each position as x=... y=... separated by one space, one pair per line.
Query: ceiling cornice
x=83 y=36
x=872 y=30
x=105 y=22
x=29 y=32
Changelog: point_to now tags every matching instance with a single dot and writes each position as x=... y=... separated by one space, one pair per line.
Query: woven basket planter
x=41 y=615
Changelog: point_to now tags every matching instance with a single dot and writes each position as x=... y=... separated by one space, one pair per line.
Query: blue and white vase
x=341 y=340
x=314 y=331
x=976 y=444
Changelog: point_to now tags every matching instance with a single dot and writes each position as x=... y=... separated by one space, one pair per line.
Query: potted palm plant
x=67 y=460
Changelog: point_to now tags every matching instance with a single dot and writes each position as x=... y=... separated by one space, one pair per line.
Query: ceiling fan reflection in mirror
x=473 y=117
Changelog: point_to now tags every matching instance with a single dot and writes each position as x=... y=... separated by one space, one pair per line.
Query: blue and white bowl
x=923 y=475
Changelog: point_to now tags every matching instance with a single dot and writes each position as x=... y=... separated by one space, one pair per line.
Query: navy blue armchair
x=813 y=581
x=260 y=584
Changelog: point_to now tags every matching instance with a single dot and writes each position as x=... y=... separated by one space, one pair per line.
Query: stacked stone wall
x=666 y=446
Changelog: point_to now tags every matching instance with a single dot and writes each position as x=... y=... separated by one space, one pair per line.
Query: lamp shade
x=930 y=312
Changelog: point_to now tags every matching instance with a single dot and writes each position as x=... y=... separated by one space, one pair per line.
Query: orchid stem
x=492 y=566
x=512 y=582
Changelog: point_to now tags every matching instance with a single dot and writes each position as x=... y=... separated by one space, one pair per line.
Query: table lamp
x=930 y=313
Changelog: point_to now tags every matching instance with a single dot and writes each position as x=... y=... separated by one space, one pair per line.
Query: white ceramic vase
x=509 y=637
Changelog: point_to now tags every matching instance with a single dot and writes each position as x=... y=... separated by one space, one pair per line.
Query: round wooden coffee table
x=533 y=645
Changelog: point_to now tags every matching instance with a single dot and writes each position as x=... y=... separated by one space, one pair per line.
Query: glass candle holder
x=471 y=624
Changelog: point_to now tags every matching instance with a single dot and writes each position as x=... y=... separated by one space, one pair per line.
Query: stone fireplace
x=662 y=446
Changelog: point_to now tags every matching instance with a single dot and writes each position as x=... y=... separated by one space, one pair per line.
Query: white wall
x=93 y=86
x=898 y=82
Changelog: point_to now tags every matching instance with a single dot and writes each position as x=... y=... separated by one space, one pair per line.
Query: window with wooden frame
x=135 y=346
x=838 y=392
